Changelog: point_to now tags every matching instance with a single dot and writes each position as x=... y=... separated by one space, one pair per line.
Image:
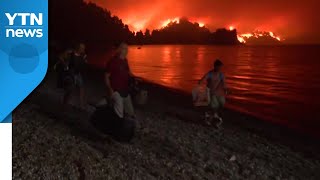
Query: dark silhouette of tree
x=75 y=21
x=186 y=32
x=139 y=37
x=224 y=36
x=147 y=37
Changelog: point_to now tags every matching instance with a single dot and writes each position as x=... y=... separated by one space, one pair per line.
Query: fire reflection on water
x=268 y=82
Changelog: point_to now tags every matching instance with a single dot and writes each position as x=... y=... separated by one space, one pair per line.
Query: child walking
x=217 y=89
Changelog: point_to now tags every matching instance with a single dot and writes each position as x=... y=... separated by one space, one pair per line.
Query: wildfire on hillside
x=168 y=21
x=165 y=23
x=243 y=38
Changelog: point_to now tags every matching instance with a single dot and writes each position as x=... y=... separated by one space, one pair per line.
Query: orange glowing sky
x=295 y=20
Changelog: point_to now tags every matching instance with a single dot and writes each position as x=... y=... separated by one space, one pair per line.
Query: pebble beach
x=170 y=143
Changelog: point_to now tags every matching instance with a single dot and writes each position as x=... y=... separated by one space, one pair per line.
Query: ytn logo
x=24 y=25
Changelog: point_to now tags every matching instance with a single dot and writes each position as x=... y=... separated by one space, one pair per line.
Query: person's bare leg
x=128 y=107
x=68 y=91
x=118 y=104
x=221 y=102
x=218 y=113
x=208 y=115
x=212 y=114
x=82 y=97
x=66 y=98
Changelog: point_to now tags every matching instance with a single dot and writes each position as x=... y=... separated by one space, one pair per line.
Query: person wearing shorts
x=77 y=66
x=65 y=78
x=217 y=102
x=78 y=80
x=217 y=89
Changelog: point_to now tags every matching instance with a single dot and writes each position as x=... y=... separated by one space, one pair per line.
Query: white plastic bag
x=200 y=96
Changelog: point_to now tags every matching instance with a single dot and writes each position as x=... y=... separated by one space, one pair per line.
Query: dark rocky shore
x=171 y=143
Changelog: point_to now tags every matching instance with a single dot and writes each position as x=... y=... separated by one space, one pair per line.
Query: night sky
x=297 y=21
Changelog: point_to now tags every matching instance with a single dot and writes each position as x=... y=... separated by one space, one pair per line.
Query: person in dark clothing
x=77 y=67
x=64 y=76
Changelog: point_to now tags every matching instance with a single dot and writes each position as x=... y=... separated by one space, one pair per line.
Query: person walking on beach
x=64 y=76
x=216 y=85
x=77 y=66
x=117 y=79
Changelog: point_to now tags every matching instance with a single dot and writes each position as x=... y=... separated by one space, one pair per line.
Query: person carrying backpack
x=216 y=85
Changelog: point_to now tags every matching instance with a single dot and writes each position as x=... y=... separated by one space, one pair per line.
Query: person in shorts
x=65 y=78
x=77 y=66
x=216 y=86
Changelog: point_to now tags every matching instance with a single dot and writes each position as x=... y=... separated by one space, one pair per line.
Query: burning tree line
x=78 y=21
x=186 y=32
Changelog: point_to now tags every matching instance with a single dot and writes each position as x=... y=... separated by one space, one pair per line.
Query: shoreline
x=171 y=142
x=179 y=103
x=264 y=124
x=272 y=131
x=277 y=109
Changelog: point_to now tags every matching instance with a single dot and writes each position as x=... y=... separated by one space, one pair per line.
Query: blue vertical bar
x=8 y=119
x=23 y=56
